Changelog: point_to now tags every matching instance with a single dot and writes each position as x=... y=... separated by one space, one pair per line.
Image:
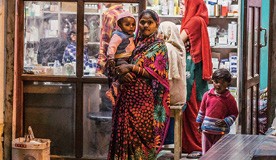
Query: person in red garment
x=198 y=70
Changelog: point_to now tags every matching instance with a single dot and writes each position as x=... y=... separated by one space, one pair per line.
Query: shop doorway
x=250 y=73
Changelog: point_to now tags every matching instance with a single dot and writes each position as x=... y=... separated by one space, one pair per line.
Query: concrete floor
x=168 y=155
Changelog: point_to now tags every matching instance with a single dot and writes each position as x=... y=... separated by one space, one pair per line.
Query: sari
x=141 y=115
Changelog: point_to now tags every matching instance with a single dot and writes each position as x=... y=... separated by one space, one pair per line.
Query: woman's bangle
x=138 y=70
x=143 y=72
x=135 y=68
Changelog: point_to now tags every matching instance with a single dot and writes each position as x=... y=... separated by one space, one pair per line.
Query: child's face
x=220 y=85
x=128 y=25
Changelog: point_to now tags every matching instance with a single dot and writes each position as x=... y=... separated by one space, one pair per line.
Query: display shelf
x=86 y=13
x=225 y=46
x=50 y=12
x=170 y=16
x=223 y=33
x=221 y=17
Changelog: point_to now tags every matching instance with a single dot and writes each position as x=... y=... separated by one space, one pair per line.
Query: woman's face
x=147 y=25
x=85 y=35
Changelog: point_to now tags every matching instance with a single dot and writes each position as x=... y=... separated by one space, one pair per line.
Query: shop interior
x=65 y=100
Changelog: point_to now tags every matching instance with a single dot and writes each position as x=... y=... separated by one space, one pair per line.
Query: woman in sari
x=141 y=115
x=198 y=68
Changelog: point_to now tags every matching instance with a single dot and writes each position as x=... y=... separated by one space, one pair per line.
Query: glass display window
x=50 y=36
x=47 y=38
x=97 y=115
x=49 y=108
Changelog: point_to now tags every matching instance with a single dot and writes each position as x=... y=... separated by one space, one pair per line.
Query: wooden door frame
x=271 y=87
x=271 y=65
x=244 y=83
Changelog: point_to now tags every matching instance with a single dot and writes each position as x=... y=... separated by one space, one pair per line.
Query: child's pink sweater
x=215 y=107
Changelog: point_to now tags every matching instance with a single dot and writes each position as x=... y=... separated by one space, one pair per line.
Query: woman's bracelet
x=138 y=70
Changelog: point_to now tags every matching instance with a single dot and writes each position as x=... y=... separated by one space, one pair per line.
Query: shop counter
x=243 y=147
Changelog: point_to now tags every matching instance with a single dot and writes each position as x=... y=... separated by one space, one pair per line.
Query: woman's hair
x=223 y=74
x=152 y=13
x=73 y=31
x=69 y=35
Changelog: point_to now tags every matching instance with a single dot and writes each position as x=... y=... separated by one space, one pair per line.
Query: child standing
x=120 y=49
x=218 y=110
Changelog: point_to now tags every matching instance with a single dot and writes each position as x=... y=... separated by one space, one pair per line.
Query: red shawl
x=195 y=23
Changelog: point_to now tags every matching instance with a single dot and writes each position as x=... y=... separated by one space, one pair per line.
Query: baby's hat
x=125 y=14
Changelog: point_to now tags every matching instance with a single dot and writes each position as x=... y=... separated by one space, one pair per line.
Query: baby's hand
x=199 y=128
x=220 y=123
x=110 y=63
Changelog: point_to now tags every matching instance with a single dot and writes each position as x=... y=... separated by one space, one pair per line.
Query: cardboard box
x=68 y=6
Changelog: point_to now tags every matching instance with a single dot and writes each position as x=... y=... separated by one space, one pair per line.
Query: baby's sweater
x=215 y=107
x=120 y=43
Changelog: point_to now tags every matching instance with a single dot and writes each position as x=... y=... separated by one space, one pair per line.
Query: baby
x=120 y=49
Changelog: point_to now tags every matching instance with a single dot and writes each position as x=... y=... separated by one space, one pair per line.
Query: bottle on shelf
x=171 y=7
x=57 y=68
x=232 y=33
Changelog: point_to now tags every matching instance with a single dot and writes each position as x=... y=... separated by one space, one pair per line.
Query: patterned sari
x=141 y=114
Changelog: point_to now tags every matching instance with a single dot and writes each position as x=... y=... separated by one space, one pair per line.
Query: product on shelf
x=166 y=7
x=232 y=33
x=221 y=8
x=233 y=59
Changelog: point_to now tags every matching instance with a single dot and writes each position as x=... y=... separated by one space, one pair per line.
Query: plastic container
x=37 y=149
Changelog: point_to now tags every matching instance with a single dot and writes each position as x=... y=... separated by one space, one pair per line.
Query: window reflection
x=49 y=108
x=97 y=111
x=46 y=35
x=50 y=34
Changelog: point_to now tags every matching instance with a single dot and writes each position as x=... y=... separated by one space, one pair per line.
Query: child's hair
x=222 y=73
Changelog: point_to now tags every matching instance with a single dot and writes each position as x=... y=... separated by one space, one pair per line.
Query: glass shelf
x=170 y=16
x=234 y=17
x=225 y=46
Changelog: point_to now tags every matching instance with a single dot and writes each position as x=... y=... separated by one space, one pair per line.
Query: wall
x=2 y=71
x=264 y=50
x=9 y=37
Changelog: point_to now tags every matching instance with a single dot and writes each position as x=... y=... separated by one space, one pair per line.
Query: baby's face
x=128 y=25
x=220 y=85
